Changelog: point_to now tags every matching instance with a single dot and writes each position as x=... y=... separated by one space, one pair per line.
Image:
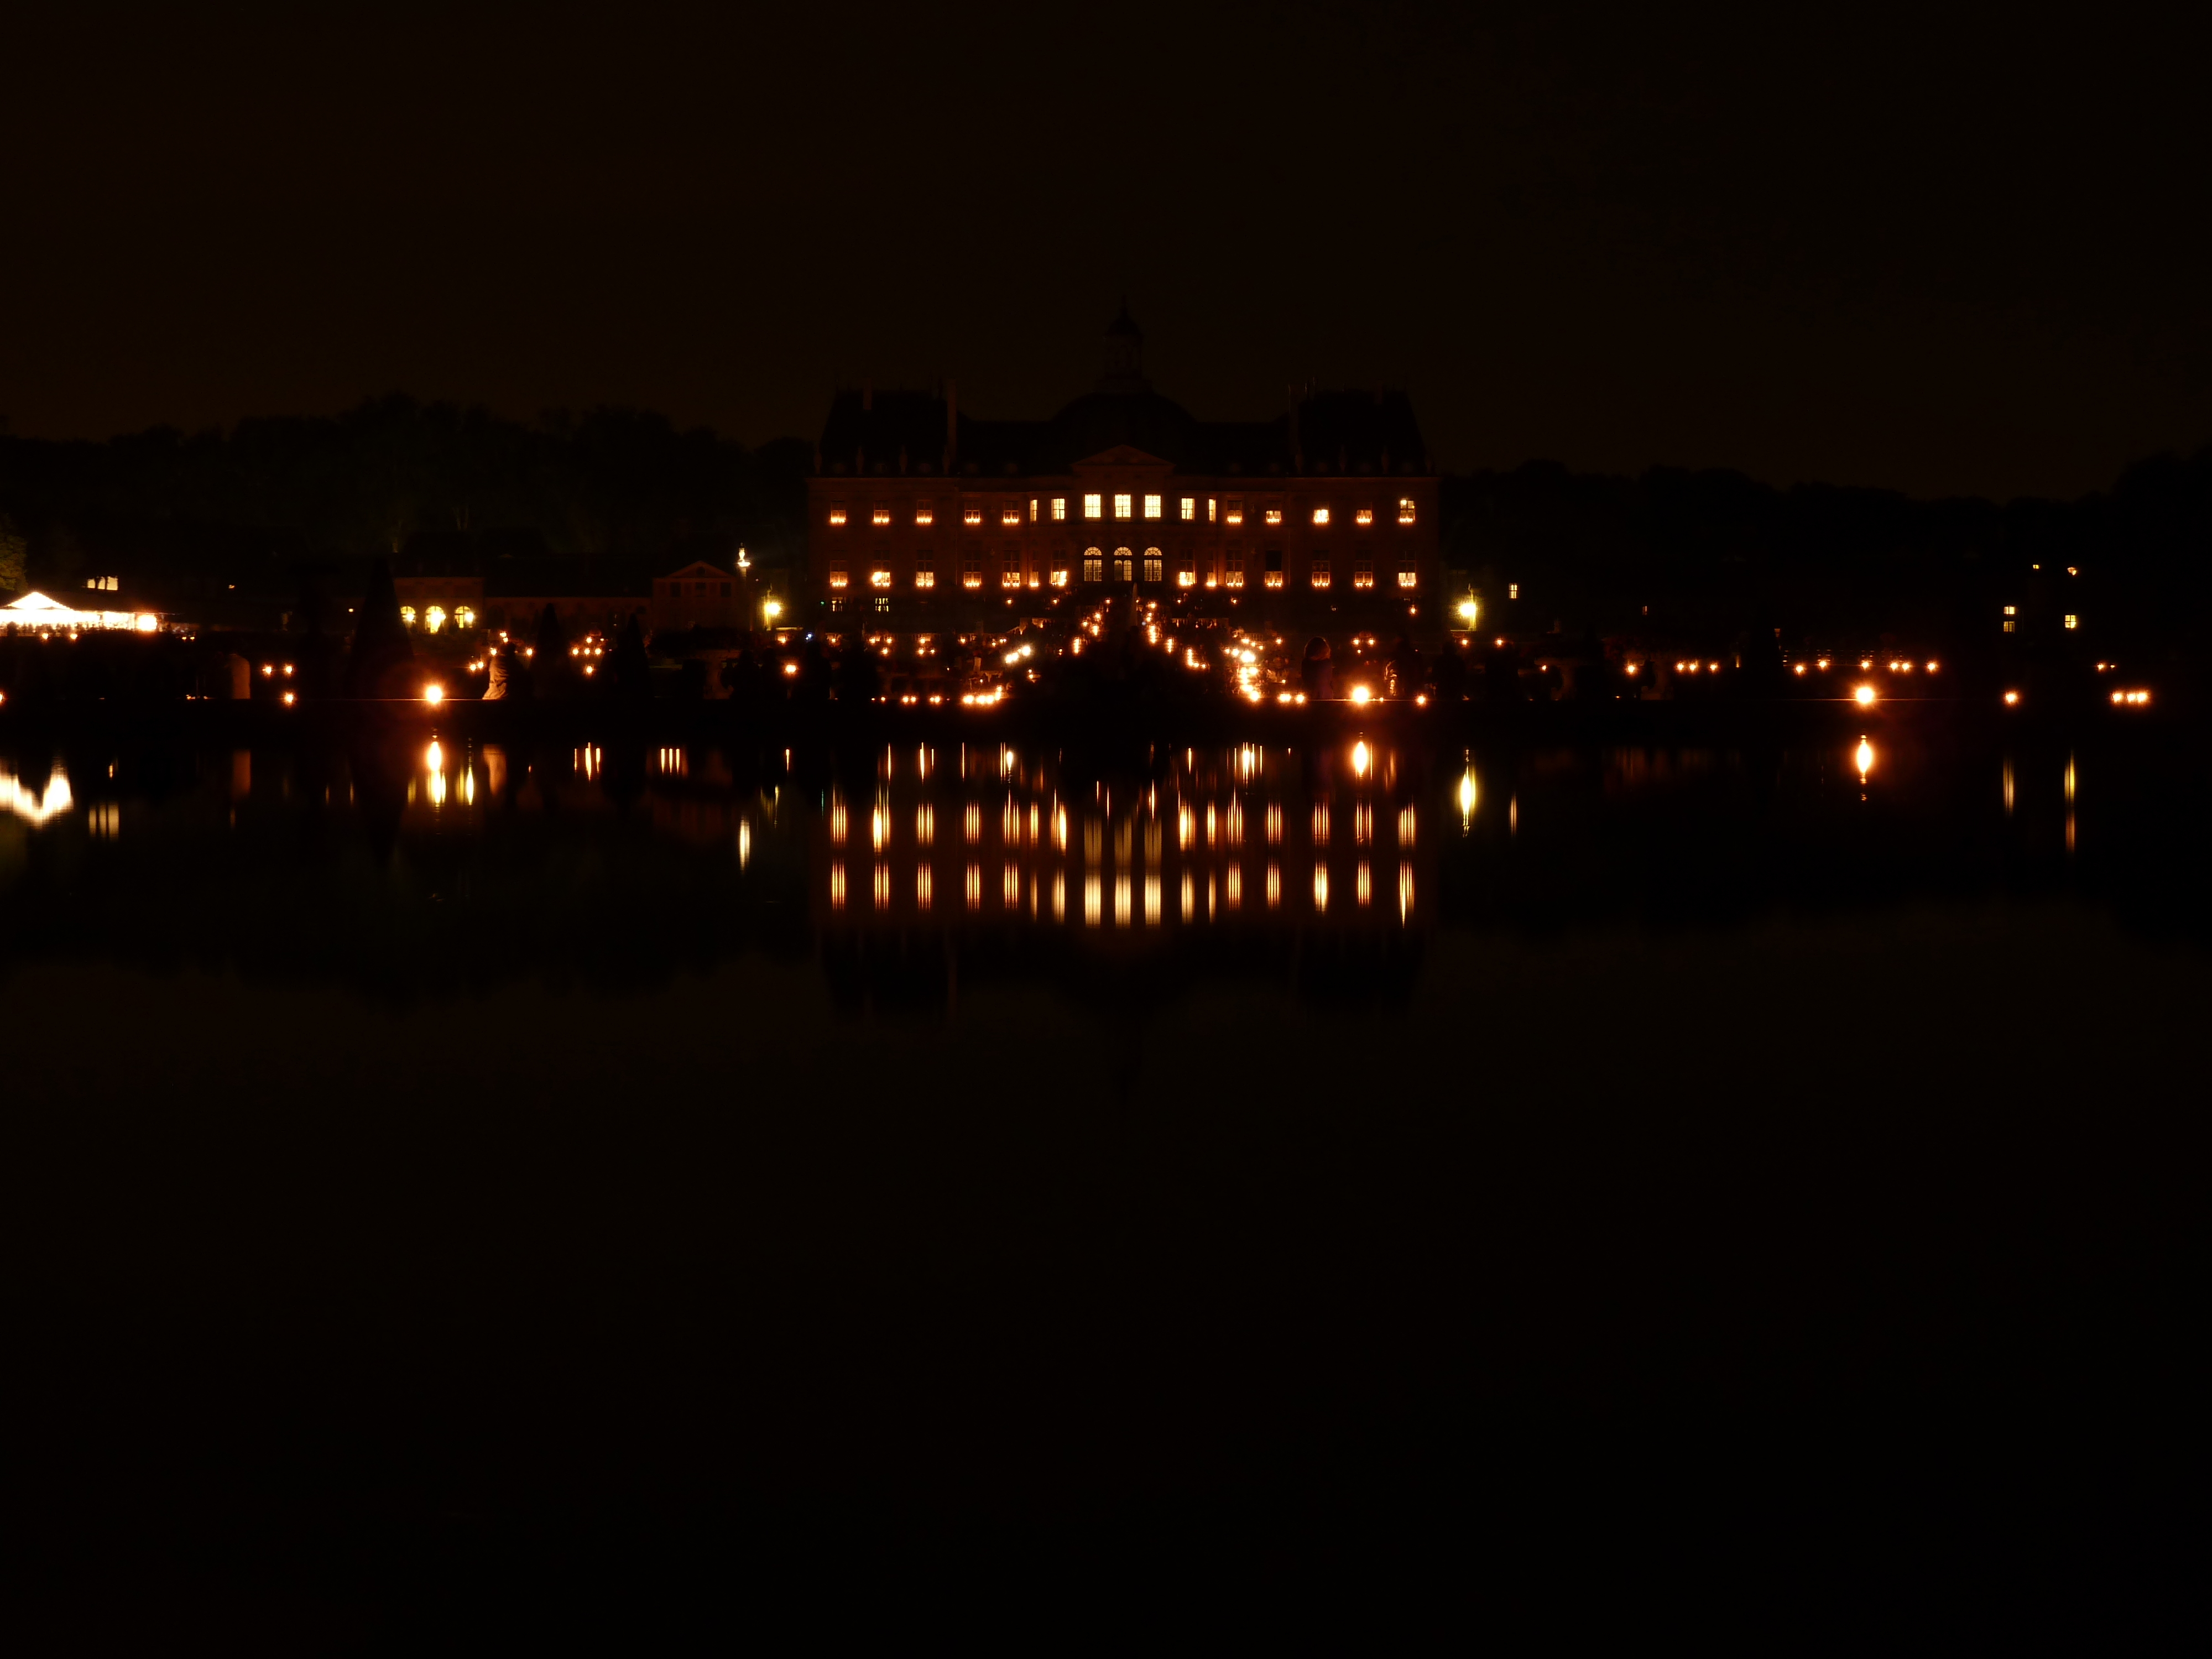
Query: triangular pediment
x=697 y=568
x=1123 y=455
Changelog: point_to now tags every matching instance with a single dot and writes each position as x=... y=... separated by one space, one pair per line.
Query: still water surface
x=444 y=1177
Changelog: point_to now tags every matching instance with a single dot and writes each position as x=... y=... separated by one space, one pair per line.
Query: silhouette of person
x=1401 y=670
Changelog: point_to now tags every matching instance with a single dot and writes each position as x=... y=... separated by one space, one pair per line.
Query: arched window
x=1151 y=564
x=1094 y=565
x=1124 y=565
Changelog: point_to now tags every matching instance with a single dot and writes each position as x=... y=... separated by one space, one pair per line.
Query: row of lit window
x=1219 y=826
x=1209 y=899
x=1127 y=567
x=433 y=617
x=1219 y=509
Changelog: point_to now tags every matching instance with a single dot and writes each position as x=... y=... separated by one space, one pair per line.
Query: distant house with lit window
x=923 y=520
x=700 y=595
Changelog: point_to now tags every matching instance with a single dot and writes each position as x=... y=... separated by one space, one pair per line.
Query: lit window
x=1275 y=566
x=1186 y=570
x=1405 y=509
x=879 y=577
x=465 y=617
x=1232 y=567
x=1152 y=507
x=1094 y=507
x=1321 y=517
x=1272 y=515
x=972 y=514
x=925 y=514
x=883 y=602
x=2073 y=622
x=836 y=512
x=1363 y=573
x=1033 y=509
x=1151 y=564
x=1010 y=574
x=925 y=570
x=1094 y=563
x=1121 y=505
x=407 y=615
x=836 y=575
x=1365 y=515
x=1058 y=508
x=1124 y=565
x=1409 y=578
x=2012 y=611
x=972 y=573
x=1189 y=510
x=882 y=515
x=1010 y=513
x=1234 y=511
x=1319 y=567
x=1513 y=590
x=2009 y=624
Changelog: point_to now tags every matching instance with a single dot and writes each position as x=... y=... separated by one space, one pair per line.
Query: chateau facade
x=924 y=520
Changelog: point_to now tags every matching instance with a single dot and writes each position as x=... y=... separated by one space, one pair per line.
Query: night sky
x=1943 y=249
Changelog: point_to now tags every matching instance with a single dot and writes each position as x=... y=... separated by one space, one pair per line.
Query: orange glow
x=2012 y=699
x=1863 y=696
x=433 y=695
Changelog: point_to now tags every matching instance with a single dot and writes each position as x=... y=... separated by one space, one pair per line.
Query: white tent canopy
x=36 y=610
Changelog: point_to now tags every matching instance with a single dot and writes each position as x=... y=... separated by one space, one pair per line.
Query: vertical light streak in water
x=2069 y=806
x=2008 y=786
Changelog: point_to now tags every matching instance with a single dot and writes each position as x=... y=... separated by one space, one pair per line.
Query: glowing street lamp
x=433 y=695
x=1863 y=696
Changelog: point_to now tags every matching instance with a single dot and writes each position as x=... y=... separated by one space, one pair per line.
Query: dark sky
x=1939 y=247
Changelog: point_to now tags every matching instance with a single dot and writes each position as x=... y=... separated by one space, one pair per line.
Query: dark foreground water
x=643 y=1193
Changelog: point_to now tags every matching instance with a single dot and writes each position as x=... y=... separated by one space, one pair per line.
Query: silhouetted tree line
x=1719 y=555
x=614 y=489
x=276 y=506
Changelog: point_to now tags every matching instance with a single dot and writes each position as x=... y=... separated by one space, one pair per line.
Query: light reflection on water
x=1147 y=849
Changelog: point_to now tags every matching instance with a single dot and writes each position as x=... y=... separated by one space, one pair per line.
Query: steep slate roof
x=1322 y=432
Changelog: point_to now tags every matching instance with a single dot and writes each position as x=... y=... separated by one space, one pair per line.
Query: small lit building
x=700 y=595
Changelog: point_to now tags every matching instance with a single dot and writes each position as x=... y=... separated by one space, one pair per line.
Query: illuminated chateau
x=923 y=520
